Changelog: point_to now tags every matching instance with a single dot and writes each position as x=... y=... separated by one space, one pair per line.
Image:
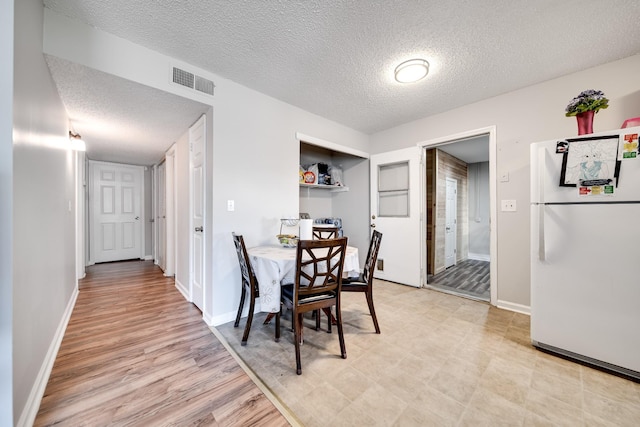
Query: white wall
x=255 y=163
x=524 y=116
x=253 y=160
x=44 y=275
x=6 y=208
x=479 y=200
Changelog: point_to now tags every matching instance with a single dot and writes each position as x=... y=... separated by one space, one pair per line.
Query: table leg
x=328 y=312
x=267 y=320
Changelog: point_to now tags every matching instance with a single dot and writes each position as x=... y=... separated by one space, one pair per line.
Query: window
x=393 y=190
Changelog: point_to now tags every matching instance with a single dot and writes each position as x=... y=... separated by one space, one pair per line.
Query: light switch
x=508 y=205
x=231 y=206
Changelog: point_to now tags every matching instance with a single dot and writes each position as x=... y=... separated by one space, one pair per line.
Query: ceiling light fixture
x=412 y=70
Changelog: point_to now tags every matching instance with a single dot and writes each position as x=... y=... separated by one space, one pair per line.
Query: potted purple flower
x=584 y=106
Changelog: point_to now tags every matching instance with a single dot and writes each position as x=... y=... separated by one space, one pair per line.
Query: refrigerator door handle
x=541 y=249
x=542 y=170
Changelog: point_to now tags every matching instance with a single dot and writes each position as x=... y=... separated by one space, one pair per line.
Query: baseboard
x=221 y=319
x=231 y=316
x=479 y=257
x=511 y=306
x=32 y=405
x=182 y=289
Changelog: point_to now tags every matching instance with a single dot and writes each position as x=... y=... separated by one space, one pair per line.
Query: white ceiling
x=119 y=120
x=335 y=58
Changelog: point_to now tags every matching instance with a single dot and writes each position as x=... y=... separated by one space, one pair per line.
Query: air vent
x=183 y=77
x=192 y=81
x=204 y=85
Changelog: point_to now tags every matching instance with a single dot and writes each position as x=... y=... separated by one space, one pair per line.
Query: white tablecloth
x=274 y=265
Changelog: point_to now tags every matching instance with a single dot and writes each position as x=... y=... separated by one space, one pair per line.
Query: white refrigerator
x=585 y=249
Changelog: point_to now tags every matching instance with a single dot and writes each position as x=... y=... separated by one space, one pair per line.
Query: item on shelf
x=313 y=169
x=301 y=174
x=324 y=179
x=323 y=174
x=336 y=175
x=309 y=177
x=330 y=222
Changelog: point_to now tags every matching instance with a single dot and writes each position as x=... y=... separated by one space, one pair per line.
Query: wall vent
x=192 y=81
x=204 y=85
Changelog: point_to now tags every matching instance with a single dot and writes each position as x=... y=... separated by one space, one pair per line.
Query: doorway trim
x=493 y=244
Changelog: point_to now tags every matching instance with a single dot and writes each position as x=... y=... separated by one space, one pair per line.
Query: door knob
x=137 y=218
x=199 y=228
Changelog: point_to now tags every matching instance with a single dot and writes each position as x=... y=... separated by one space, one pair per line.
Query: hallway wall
x=44 y=276
x=6 y=206
x=479 y=211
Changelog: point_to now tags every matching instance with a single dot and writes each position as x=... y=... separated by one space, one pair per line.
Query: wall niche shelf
x=330 y=188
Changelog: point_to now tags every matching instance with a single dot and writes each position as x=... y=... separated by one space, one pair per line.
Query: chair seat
x=287 y=293
x=355 y=287
x=350 y=280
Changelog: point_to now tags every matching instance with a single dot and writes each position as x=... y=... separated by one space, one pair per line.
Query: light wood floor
x=467 y=278
x=136 y=353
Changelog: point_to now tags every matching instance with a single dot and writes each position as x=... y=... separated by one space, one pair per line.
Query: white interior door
x=395 y=212
x=170 y=211
x=197 y=134
x=450 y=227
x=116 y=211
x=161 y=217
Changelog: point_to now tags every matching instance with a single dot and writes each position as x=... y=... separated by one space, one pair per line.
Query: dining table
x=275 y=265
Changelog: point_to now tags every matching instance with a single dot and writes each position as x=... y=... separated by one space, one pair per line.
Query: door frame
x=493 y=245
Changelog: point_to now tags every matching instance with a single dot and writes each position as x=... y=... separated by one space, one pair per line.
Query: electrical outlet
x=508 y=206
x=231 y=206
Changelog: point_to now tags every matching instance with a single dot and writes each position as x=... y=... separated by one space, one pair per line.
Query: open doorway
x=459 y=241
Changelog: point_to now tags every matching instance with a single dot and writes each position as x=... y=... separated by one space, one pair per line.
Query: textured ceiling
x=119 y=120
x=335 y=58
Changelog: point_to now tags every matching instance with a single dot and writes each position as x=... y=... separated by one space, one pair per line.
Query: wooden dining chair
x=249 y=285
x=317 y=283
x=320 y=233
x=364 y=283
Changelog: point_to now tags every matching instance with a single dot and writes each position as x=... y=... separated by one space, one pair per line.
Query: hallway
x=136 y=353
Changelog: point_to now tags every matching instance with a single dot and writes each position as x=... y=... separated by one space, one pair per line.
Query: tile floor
x=440 y=360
